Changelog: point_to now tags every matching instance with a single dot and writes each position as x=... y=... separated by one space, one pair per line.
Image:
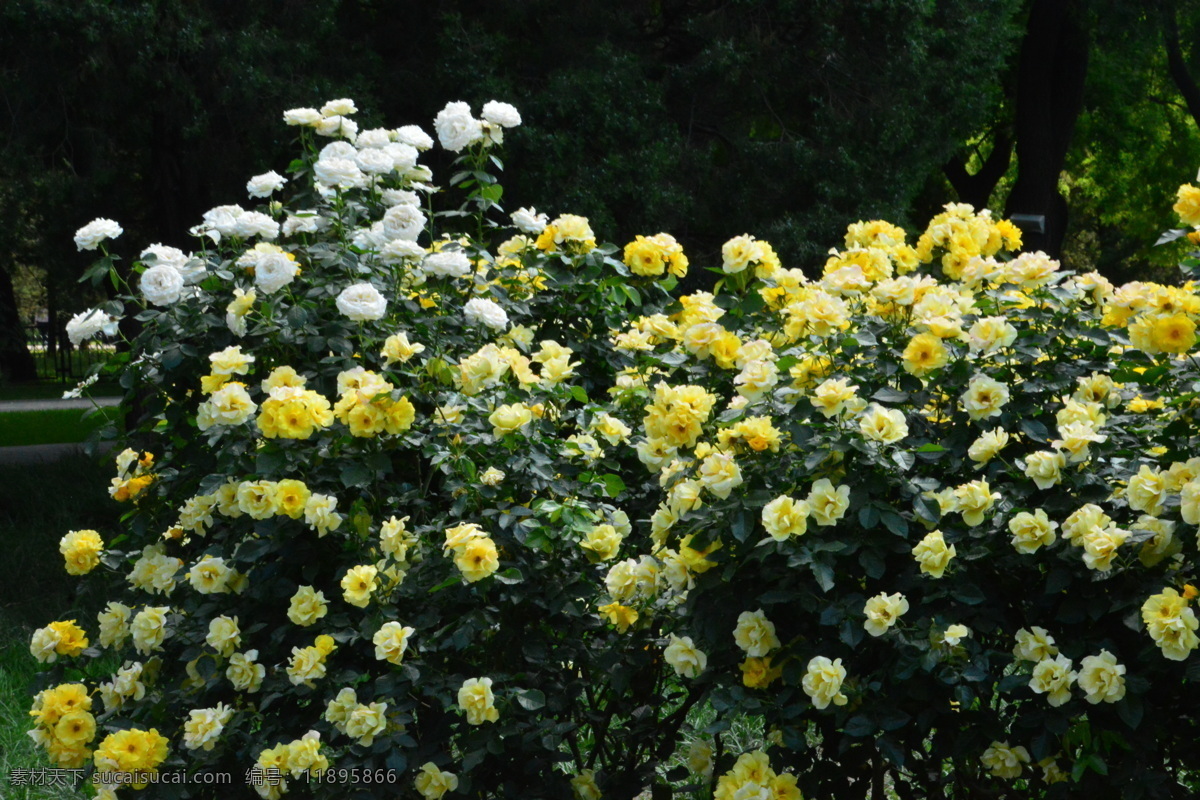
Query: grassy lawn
x=51 y=427
x=38 y=504
x=51 y=390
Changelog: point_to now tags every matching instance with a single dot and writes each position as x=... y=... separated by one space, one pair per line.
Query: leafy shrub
x=422 y=503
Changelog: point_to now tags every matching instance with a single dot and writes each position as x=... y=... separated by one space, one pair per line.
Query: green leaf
x=889 y=395
x=510 y=576
x=858 y=726
x=894 y=523
x=1034 y=430
x=868 y=517
x=1130 y=710
x=890 y=750
x=823 y=572
x=355 y=474
x=579 y=394
x=531 y=699
x=613 y=485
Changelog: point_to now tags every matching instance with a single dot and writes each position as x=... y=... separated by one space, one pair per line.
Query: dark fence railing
x=56 y=358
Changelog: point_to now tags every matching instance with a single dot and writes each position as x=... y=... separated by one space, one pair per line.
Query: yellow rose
x=757 y=673
x=244 y=672
x=1044 y=468
x=684 y=657
x=391 y=641
x=307 y=606
x=755 y=634
x=973 y=500
x=1187 y=205
x=1031 y=531
x=477 y=559
x=984 y=397
x=433 y=783
x=224 y=636
x=291 y=496
x=883 y=611
x=1102 y=678
x=933 y=554
x=785 y=517
x=358 y=583
x=823 y=682
x=397 y=347
x=149 y=628
x=509 y=418
x=602 y=542
x=827 y=504
x=988 y=446
x=924 y=354
x=883 y=425
x=477 y=701
x=82 y=550
x=1004 y=761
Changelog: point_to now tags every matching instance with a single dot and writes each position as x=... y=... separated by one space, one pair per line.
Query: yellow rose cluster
x=655 y=256
x=475 y=553
x=367 y=407
x=752 y=776
x=133 y=475
x=64 y=725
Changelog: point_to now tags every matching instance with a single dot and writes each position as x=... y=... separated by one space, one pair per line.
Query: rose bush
x=472 y=506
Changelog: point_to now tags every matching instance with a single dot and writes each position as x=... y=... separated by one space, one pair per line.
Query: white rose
x=85 y=325
x=404 y=156
x=255 y=223
x=171 y=256
x=307 y=223
x=376 y=137
x=527 y=220
x=91 y=235
x=161 y=285
x=337 y=150
x=266 y=184
x=340 y=107
x=337 y=125
x=403 y=222
x=413 y=135
x=361 y=302
x=448 y=264
x=400 y=197
x=501 y=114
x=482 y=311
x=302 y=116
x=398 y=251
x=223 y=219
x=456 y=128
x=273 y=271
x=375 y=162
x=340 y=172
x=192 y=269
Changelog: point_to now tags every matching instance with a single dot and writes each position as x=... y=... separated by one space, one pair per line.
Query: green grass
x=17 y=750
x=51 y=390
x=55 y=426
x=38 y=504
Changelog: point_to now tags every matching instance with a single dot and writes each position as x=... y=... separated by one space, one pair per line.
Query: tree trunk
x=16 y=362
x=1176 y=63
x=1050 y=80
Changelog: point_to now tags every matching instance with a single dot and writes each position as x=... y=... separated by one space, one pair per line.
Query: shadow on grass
x=39 y=503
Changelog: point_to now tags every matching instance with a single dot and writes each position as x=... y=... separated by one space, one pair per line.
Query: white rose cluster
x=457 y=129
x=91 y=235
x=481 y=311
x=87 y=324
